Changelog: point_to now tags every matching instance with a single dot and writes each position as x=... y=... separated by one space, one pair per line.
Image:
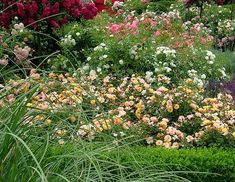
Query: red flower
x=76 y=13
x=30 y=11
x=221 y=2
x=32 y=22
x=55 y=9
x=66 y=4
x=89 y=11
x=54 y=23
x=34 y=9
x=20 y=9
x=46 y=12
x=78 y=3
x=4 y=20
x=64 y=20
x=45 y=2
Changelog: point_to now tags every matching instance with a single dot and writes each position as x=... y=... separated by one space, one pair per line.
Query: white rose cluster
x=210 y=57
x=101 y=47
x=18 y=27
x=150 y=77
x=133 y=52
x=117 y=5
x=164 y=59
x=226 y=27
x=68 y=41
x=86 y=130
x=166 y=50
x=198 y=80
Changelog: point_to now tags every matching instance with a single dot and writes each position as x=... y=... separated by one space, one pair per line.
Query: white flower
x=105 y=56
x=143 y=92
x=149 y=73
x=86 y=67
x=122 y=133
x=115 y=134
x=92 y=73
x=3 y=62
x=106 y=66
x=99 y=69
x=203 y=76
x=168 y=69
x=210 y=62
x=222 y=71
x=85 y=130
x=121 y=62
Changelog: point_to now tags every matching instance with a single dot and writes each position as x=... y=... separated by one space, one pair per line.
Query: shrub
x=146 y=108
x=197 y=165
x=194 y=160
x=45 y=11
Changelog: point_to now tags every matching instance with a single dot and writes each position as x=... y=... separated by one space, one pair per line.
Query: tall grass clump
x=18 y=161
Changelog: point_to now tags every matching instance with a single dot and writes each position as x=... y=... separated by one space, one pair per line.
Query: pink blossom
x=120 y=11
x=189 y=138
x=203 y=41
x=21 y=53
x=11 y=97
x=157 y=33
x=3 y=62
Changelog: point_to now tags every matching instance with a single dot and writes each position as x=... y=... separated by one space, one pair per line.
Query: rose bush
x=37 y=12
x=134 y=106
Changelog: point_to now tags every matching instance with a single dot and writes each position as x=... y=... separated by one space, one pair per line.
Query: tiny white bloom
x=121 y=62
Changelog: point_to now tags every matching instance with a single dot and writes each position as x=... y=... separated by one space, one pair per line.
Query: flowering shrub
x=15 y=48
x=146 y=43
x=215 y=18
x=166 y=116
x=76 y=40
x=225 y=34
x=37 y=12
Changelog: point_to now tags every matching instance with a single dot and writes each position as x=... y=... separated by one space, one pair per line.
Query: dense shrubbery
x=173 y=117
x=144 y=74
x=214 y=164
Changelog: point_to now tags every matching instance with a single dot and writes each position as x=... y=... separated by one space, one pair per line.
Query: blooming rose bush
x=150 y=43
x=215 y=18
x=15 y=49
x=38 y=12
x=134 y=106
x=43 y=16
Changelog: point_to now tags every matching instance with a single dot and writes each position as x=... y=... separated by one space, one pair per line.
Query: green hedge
x=198 y=164
x=202 y=164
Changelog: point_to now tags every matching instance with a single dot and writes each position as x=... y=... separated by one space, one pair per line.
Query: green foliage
x=202 y=164
x=226 y=58
x=159 y=6
x=193 y=164
x=18 y=162
x=214 y=138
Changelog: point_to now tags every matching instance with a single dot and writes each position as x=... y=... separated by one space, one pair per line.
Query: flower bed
x=148 y=73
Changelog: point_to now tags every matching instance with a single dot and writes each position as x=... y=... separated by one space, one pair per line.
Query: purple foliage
x=230 y=87
x=215 y=87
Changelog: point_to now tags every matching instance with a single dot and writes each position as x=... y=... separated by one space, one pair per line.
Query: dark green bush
x=206 y=164
x=202 y=164
x=159 y=6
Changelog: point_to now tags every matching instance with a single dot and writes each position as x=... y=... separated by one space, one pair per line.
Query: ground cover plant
x=143 y=92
